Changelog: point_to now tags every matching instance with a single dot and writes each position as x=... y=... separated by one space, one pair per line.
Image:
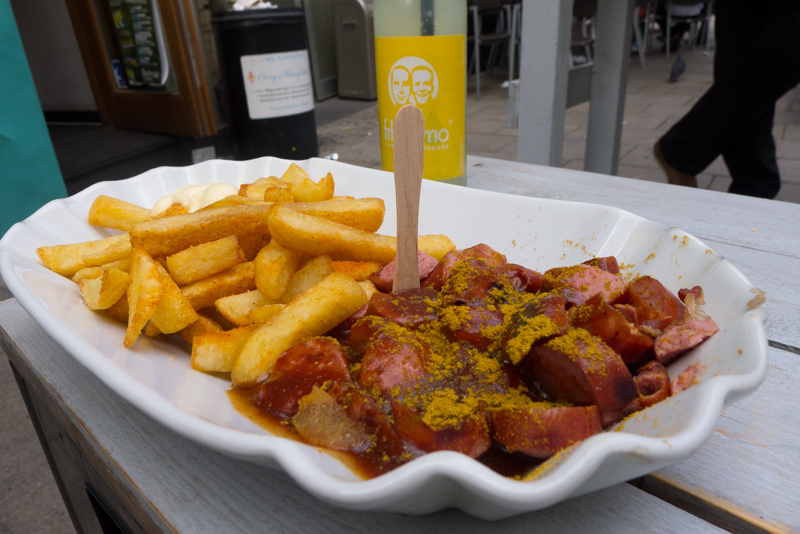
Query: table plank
x=760 y=237
x=758 y=224
x=777 y=275
x=192 y=489
x=752 y=461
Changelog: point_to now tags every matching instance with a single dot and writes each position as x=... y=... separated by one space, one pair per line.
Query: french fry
x=114 y=251
x=151 y=330
x=176 y=208
x=215 y=352
x=67 y=260
x=274 y=267
x=312 y=272
x=119 y=310
x=304 y=189
x=88 y=273
x=174 y=312
x=308 y=191
x=437 y=245
x=369 y=288
x=203 y=325
x=313 y=313
x=144 y=293
x=358 y=270
x=364 y=213
x=162 y=237
x=255 y=190
x=114 y=213
x=213 y=313
x=237 y=308
x=204 y=260
x=270 y=189
x=252 y=244
x=234 y=200
x=295 y=174
x=230 y=277
x=204 y=293
x=97 y=272
x=278 y=191
x=315 y=236
x=102 y=292
x=262 y=314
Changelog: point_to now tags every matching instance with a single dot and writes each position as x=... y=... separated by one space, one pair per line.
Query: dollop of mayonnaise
x=195 y=197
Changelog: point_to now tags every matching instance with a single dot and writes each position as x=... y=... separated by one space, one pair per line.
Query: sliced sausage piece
x=384 y=279
x=471 y=324
x=580 y=282
x=686 y=378
x=521 y=278
x=607 y=323
x=581 y=369
x=652 y=382
x=394 y=358
x=362 y=332
x=438 y=276
x=531 y=325
x=544 y=429
x=410 y=308
x=469 y=282
x=386 y=449
x=657 y=307
x=307 y=364
x=696 y=292
x=553 y=306
x=629 y=312
x=607 y=263
x=682 y=337
x=341 y=332
x=470 y=437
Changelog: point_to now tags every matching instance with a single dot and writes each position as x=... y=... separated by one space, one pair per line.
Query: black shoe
x=674 y=176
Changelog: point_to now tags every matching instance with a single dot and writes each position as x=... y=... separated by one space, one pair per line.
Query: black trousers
x=756 y=62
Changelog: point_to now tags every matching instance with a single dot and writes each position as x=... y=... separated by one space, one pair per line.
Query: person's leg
x=755 y=65
x=703 y=133
x=751 y=160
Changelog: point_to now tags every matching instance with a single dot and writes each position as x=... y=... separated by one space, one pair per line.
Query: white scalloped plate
x=155 y=375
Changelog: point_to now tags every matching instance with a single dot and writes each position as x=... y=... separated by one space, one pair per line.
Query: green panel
x=29 y=173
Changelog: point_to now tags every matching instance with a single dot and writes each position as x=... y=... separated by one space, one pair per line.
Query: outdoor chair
x=694 y=21
x=482 y=14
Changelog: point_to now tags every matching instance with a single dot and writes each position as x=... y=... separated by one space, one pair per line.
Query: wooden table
x=116 y=466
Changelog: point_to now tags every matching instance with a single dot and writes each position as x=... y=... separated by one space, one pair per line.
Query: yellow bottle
x=420 y=56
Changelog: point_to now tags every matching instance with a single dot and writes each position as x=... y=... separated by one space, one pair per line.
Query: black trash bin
x=267 y=79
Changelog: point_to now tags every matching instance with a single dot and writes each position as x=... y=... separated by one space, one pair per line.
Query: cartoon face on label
x=422 y=84
x=412 y=80
x=400 y=85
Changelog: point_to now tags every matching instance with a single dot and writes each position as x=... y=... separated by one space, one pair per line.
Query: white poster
x=277 y=84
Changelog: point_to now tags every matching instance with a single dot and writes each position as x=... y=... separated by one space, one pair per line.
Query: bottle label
x=278 y=84
x=430 y=73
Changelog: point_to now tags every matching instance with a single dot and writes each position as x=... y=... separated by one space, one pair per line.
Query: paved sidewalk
x=652 y=106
